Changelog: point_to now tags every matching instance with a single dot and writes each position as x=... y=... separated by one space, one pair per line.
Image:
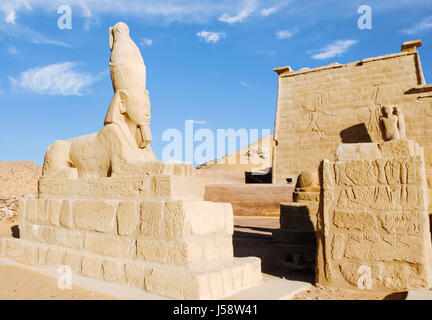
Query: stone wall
x=373 y=226
x=320 y=108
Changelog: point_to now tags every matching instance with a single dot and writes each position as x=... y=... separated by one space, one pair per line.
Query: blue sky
x=206 y=60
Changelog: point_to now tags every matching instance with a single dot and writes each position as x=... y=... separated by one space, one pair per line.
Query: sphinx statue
x=122 y=146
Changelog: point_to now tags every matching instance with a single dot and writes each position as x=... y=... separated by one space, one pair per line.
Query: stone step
x=214 y=281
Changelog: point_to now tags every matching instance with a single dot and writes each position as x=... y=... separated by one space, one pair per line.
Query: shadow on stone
x=274 y=260
x=15 y=231
x=355 y=134
x=396 y=296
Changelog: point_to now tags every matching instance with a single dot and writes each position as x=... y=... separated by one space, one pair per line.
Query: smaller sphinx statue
x=393 y=123
x=122 y=146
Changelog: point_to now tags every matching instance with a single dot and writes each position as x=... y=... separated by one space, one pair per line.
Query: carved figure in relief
x=393 y=123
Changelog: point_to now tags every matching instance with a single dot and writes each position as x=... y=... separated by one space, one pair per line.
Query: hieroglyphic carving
x=316 y=112
x=378 y=222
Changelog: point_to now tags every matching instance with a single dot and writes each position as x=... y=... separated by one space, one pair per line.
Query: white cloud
x=167 y=11
x=12 y=50
x=55 y=79
x=25 y=33
x=194 y=11
x=52 y=42
x=249 y=8
x=10 y=16
x=244 y=84
x=146 y=42
x=285 y=34
x=270 y=10
x=209 y=36
x=424 y=25
x=334 y=49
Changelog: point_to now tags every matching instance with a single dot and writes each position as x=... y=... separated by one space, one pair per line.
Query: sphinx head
x=132 y=106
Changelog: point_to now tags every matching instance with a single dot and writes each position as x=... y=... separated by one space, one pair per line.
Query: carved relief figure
x=315 y=115
x=122 y=146
x=393 y=123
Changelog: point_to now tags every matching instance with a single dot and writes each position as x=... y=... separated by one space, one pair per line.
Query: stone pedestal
x=298 y=221
x=154 y=233
x=373 y=225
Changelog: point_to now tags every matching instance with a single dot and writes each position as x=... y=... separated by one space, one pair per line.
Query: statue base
x=137 y=231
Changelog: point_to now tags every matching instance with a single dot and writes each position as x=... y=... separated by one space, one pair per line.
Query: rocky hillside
x=18 y=179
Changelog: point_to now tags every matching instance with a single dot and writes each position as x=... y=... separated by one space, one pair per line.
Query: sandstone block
x=92 y=266
x=31 y=253
x=13 y=248
x=400 y=149
x=54 y=207
x=178 y=285
x=170 y=252
x=133 y=187
x=43 y=234
x=73 y=259
x=251 y=271
x=360 y=221
x=194 y=251
x=183 y=218
x=54 y=257
x=358 y=151
x=128 y=217
x=94 y=215
x=113 y=270
x=68 y=238
x=136 y=273
x=42 y=254
x=22 y=215
x=109 y=246
x=32 y=209
x=66 y=218
x=42 y=213
x=152 y=224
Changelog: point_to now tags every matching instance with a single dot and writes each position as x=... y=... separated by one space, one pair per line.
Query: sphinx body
x=122 y=146
x=102 y=154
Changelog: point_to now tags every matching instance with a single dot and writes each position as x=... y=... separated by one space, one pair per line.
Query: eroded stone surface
x=374 y=227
